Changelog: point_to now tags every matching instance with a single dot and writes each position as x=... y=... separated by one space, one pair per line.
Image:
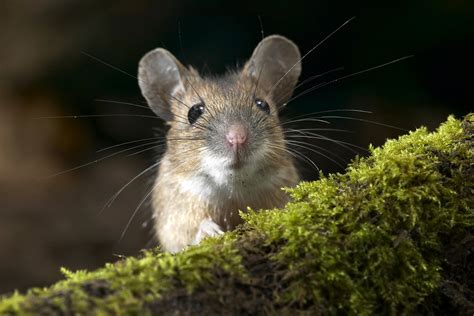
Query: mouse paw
x=207 y=228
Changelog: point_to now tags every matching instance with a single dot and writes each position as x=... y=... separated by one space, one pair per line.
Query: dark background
x=49 y=222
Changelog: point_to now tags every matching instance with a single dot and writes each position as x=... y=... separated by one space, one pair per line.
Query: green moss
x=393 y=234
x=369 y=240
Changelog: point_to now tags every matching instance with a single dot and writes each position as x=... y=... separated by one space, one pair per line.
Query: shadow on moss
x=394 y=234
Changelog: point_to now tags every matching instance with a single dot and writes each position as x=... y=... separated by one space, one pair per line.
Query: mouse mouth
x=238 y=158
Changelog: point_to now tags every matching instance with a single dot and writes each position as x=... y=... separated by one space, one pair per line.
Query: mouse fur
x=226 y=148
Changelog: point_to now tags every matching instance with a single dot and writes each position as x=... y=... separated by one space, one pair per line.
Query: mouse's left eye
x=262 y=105
x=195 y=112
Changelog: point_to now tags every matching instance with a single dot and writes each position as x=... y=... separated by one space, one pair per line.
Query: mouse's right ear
x=160 y=76
x=275 y=66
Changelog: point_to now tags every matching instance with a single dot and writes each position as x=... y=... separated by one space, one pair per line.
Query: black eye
x=195 y=112
x=262 y=105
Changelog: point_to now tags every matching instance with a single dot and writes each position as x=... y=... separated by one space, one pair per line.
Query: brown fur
x=191 y=185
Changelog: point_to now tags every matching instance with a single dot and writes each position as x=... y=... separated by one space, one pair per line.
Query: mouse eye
x=262 y=105
x=195 y=112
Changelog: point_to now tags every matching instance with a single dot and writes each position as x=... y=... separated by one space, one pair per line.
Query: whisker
x=178 y=100
x=363 y=120
x=309 y=52
x=342 y=144
x=186 y=122
x=318 y=129
x=258 y=78
x=309 y=134
x=295 y=154
x=109 y=65
x=195 y=125
x=142 y=201
x=306 y=120
x=146 y=149
x=331 y=111
x=309 y=79
x=115 y=196
x=347 y=76
x=136 y=210
x=124 y=103
x=184 y=139
x=95 y=161
x=127 y=143
x=304 y=157
x=300 y=144
x=261 y=26
x=312 y=78
x=161 y=142
x=94 y=115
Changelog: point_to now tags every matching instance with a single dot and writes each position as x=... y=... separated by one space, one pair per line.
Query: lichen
x=391 y=235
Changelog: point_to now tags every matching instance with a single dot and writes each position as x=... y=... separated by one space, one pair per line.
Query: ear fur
x=161 y=79
x=276 y=66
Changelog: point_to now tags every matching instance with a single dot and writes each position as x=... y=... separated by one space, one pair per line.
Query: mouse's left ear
x=275 y=66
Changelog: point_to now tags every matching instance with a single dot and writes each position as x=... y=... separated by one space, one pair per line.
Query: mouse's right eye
x=195 y=112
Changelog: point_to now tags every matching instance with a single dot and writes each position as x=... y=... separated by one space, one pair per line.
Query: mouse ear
x=275 y=66
x=160 y=76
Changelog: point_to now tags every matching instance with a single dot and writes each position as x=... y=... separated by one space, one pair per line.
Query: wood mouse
x=225 y=147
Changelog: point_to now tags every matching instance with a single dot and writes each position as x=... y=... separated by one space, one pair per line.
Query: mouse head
x=228 y=122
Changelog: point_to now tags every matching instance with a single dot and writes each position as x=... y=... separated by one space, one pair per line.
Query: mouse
x=225 y=146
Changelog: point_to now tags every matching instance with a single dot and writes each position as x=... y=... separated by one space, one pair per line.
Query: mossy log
x=391 y=235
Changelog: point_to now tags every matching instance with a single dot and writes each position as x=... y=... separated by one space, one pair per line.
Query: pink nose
x=236 y=134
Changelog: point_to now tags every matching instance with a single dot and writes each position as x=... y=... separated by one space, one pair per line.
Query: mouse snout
x=236 y=135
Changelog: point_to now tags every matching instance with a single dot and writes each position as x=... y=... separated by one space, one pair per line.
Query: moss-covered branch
x=393 y=234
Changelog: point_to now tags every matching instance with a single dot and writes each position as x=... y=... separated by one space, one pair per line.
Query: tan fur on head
x=201 y=178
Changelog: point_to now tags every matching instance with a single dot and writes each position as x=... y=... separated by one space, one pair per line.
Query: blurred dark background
x=49 y=222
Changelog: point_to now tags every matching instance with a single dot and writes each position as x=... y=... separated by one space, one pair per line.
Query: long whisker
x=147 y=139
x=309 y=52
x=146 y=149
x=312 y=78
x=185 y=139
x=114 y=197
x=342 y=144
x=304 y=157
x=127 y=143
x=136 y=210
x=94 y=115
x=347 y=76
x=363 y=120
x=308 y=147
x=306 y=120
x=109 y=65
x=124 y=103
x=126 y=73
x=331 y=111
x=142 y=201
x=294 y=154
x=309 y=134
x=96 y=161
x=318 y=129
x=196 y=125
x=309 y=79
x=178 y=100
x=261 y=26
